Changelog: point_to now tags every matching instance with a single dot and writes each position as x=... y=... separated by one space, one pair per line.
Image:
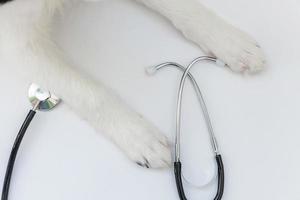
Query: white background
x=256 y=118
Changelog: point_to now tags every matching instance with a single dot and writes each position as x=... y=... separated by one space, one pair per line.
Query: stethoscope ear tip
x=220 y=63
x=150 y=71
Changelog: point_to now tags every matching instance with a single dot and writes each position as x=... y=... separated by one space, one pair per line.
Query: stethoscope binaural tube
x=218 y=157
x=177 y=163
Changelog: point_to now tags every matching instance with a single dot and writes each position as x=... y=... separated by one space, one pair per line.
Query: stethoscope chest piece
x=42 y=98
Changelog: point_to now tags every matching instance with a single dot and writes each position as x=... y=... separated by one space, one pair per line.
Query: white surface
x=255 y=117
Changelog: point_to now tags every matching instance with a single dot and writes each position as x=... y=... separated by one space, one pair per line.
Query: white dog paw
x=238 y=50
x=145 y=145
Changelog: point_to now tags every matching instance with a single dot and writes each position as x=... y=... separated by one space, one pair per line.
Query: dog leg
x=25 y=44
x=211 y=33
x=142 y=142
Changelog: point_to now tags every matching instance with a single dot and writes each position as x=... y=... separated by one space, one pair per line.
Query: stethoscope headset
x=44 y=101
x=177 y=162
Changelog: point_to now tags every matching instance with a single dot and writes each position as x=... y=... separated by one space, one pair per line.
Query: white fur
x=25 y=42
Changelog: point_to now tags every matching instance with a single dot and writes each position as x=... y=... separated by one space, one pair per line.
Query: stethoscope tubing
x=40 y=100
x=221 y=179
x=13 y=154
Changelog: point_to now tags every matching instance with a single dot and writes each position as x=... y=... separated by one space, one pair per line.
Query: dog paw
x=145 y=145
x=238 y=50
x=232 y=46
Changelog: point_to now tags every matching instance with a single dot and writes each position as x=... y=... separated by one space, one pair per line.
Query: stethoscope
x=41 y=100
x=177 y=162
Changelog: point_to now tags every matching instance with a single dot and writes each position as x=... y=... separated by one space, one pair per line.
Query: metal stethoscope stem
x=177 y=163
x=201 y=100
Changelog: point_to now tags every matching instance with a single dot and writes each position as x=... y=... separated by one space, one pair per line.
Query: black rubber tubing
x=178 y=178
x=221 y=179
x=13 y=155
